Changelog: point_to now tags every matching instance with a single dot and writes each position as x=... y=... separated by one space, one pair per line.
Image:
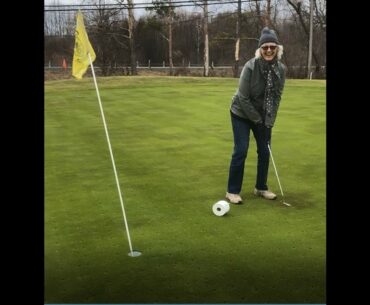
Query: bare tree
x=237 y=39
x=267 y=17
x=131 y=33
x=198 y=37
x=320 y=9
x=170 y=22
x=259 y=24
x=103 y=24
x=296 y=5
x=206 y=42
x=165 y=9
x=59 y=23
x=234 y=34
x=204 y=5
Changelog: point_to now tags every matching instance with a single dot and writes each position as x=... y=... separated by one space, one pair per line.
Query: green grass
x=172 y=143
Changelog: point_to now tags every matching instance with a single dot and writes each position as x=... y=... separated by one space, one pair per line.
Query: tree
x=297 y=6
x=165 y=9
x=260 y=22
x=131 y=33
x=237 y=39
x=233 y=35
x=104 y=24
x=204 y=5
x=206 y=45
x=320 y=9
x=267 y=16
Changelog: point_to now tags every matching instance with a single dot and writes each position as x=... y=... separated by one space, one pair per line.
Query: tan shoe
x=265 y=194
x=234 y=198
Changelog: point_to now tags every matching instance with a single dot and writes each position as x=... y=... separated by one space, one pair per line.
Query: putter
x=277 y=176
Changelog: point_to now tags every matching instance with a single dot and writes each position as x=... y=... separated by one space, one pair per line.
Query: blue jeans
x=241 y=130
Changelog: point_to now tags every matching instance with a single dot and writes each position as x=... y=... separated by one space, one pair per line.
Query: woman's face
x=269 y=50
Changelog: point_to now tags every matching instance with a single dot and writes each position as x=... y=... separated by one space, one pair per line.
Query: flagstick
x=132 y=253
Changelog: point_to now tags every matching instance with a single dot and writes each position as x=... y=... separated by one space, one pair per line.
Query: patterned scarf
x=271 y=74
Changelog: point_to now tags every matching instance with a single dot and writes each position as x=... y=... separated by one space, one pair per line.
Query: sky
x=48 y=2
x=212 y=9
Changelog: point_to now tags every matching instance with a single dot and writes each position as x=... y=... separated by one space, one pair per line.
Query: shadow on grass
x=301 y=200
x=298 y=200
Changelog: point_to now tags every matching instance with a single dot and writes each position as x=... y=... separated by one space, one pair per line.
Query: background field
x=172 y=142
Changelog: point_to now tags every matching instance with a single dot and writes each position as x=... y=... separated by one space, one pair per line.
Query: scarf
x=270 y=72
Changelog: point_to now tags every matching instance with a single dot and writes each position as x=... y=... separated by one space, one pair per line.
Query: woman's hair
x=279 y=52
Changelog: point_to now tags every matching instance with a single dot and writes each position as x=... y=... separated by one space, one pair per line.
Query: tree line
x=170 y=35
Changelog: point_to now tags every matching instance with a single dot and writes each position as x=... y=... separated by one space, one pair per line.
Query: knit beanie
x=267 y=35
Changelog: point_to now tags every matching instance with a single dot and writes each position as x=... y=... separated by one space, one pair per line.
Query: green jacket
x=249 y=98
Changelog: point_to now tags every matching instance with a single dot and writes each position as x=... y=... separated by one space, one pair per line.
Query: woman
x=254 y=107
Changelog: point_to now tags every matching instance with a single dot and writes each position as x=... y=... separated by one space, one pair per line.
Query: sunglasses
x=272 y=48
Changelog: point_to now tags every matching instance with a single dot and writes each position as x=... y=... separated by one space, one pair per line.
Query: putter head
x=286 y=203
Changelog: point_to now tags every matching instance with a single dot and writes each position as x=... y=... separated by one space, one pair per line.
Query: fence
x=298 y=72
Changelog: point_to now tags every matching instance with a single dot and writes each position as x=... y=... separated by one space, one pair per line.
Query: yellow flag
x=82 y=49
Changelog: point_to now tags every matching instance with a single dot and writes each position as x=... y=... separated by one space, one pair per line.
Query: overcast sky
x=81 y=1
x=137 y=12
x=213 y=9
